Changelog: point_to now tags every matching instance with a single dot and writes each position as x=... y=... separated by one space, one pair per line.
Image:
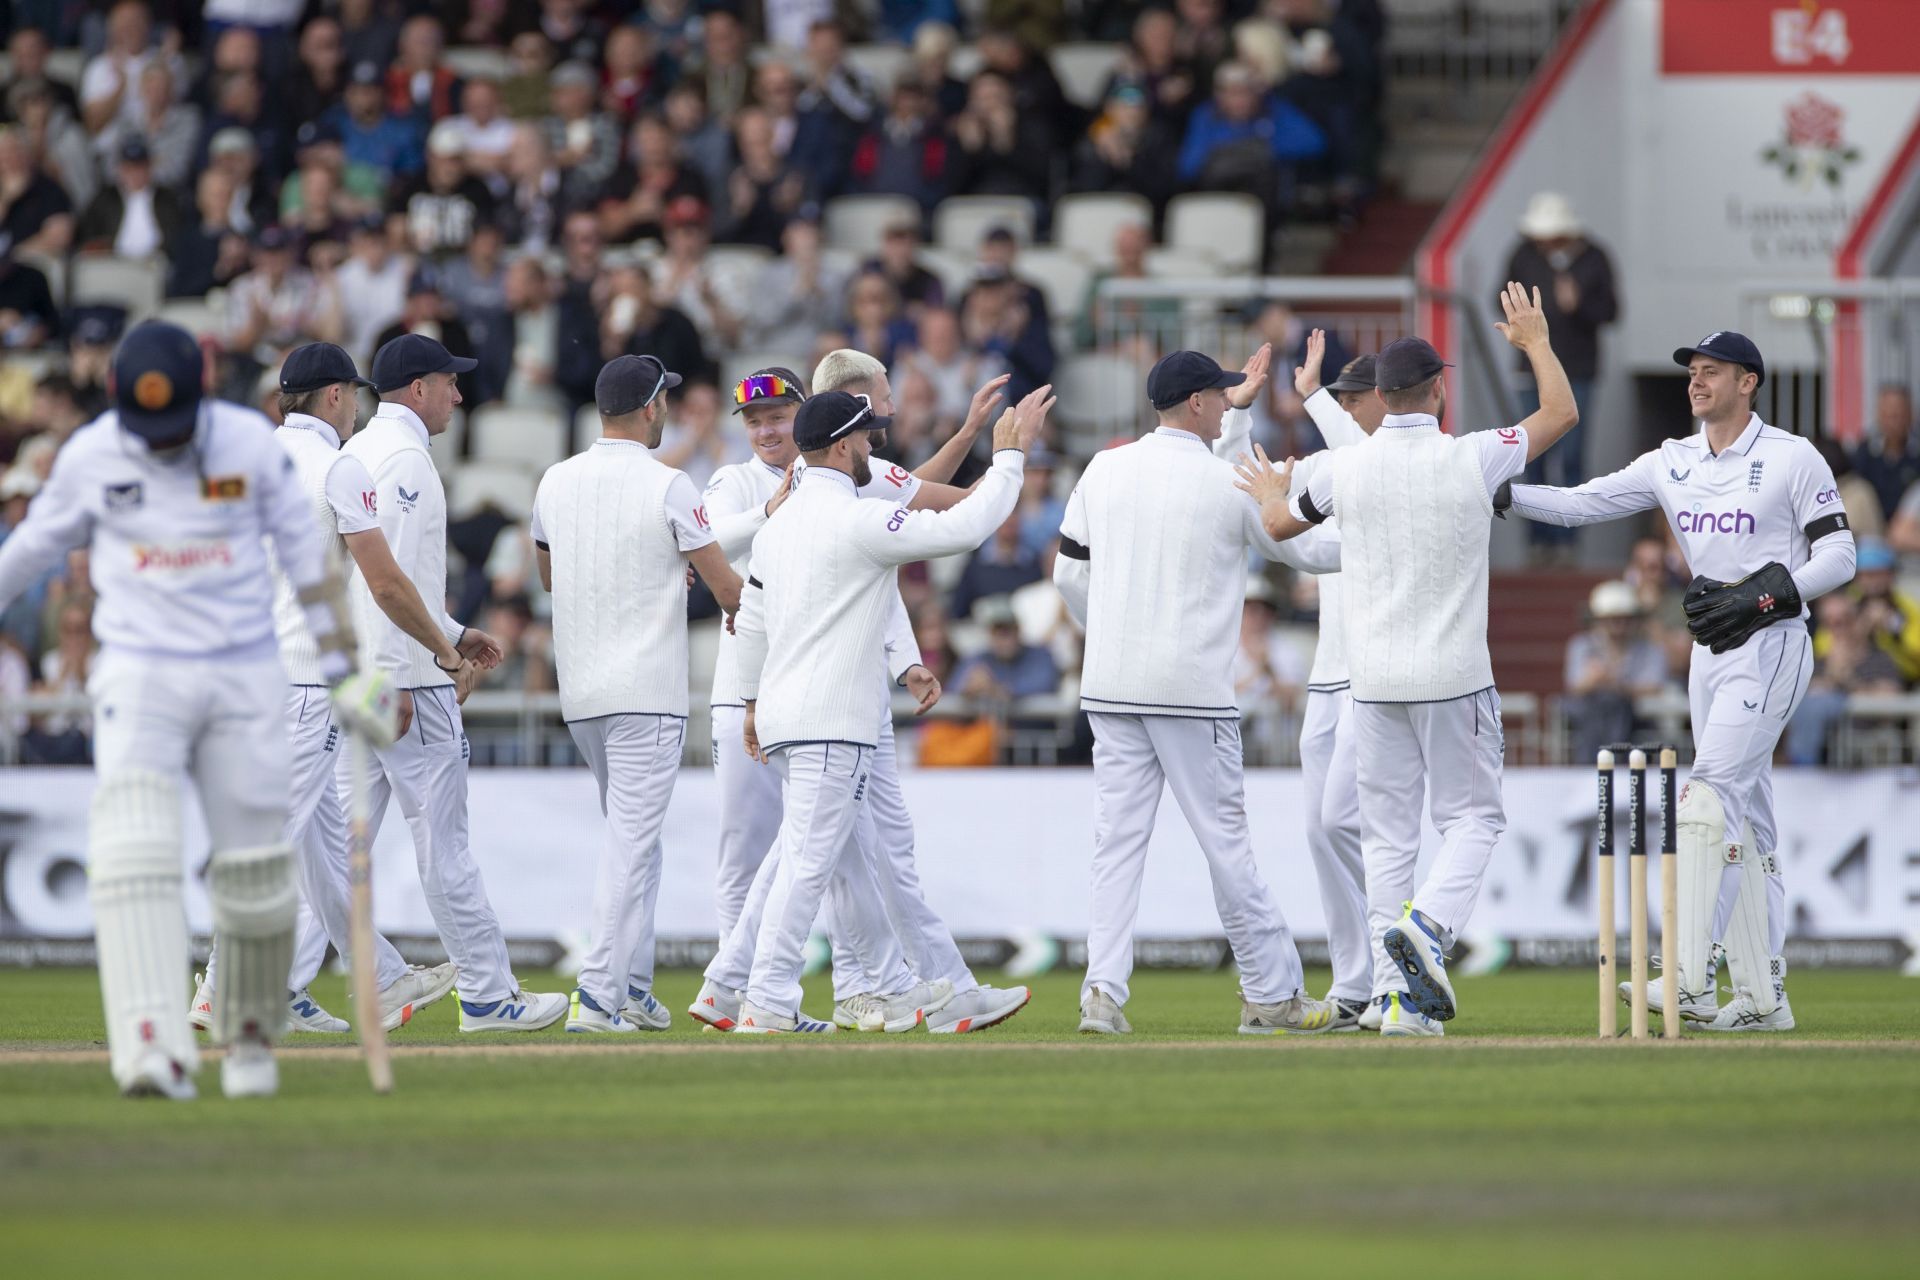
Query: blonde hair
x=1258 y=43
x=845 y=367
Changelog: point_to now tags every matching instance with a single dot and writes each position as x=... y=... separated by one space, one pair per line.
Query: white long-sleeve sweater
x=813 y=622
x=1153 y=564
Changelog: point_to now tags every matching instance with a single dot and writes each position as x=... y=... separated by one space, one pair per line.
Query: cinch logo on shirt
x=1827 y=495
x=179 y=559
x=1738 y=520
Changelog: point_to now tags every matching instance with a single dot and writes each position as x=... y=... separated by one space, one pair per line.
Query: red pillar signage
x=1789 y=37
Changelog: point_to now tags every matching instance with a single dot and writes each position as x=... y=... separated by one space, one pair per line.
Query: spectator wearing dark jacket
x=997 y=150
x=904 y=153
x=1246 y=139
x=1575 y=280
x=1127 y=149
x=132 y=218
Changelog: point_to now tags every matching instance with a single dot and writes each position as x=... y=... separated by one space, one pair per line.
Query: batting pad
x=1700 y=832
x=1753 y=961
x=139 y=919
x=254 y=906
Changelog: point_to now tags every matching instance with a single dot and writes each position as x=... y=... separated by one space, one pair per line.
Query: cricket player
x=1415 y=508
x=177 y=496
x=1758 y=517
x=1153 y=564
x=318 y=404
x=812 y=636
x=1347 y=411
x=614 y=529
x=426 y=769
x=869 y=970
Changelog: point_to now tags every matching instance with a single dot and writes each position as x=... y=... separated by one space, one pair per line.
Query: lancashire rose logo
x=1815 y=148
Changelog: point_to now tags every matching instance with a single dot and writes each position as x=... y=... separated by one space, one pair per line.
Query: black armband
x=1074 y=550
x=1824 y=525
x=755 y=582
x=543 y=546
x=1310 y=513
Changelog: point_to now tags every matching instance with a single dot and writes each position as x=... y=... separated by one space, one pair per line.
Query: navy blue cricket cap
x=1184 y=373
x=414 y=355
x=1725 y=344
x=832 y=415
x=1358 y=375
x=1406 y=362
x=317 y=365
x=629 y=383
x=158 y=373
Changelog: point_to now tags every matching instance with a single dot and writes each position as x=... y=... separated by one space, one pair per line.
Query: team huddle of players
x=229 y=658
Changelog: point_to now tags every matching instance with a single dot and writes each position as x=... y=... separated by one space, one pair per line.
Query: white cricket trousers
x=1201 y=760
x=217 y=723
x=634 y=759
x=426 y=772
x=749 y=813
x=1452 y=751
x=1740 y=702
x=924 y=937
x=824 y=788
x=1327 y=768
x=317 y=831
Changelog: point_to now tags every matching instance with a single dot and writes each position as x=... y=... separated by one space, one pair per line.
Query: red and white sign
x=1789 y=37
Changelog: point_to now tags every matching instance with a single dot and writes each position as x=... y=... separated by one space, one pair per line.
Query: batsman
x=1758 y=517
x=177 y=498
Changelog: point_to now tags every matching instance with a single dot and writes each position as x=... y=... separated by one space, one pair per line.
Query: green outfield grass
x=1187 y=1150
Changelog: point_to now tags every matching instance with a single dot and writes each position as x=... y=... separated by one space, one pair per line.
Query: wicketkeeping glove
x=1724 y=615
x=366 y=703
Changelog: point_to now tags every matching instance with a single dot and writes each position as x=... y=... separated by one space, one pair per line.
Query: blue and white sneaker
x=584 y=1016
x=644 y=1011
x=1398 y=1017
x=521 y=1011
x=1414 y=944
x=755 y=1021
x=305 y=1014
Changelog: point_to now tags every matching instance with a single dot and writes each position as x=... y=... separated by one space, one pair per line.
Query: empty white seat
x=880 y=63
x=1084 y=67
x=139 y=285
x=854 y=223
x=475 y=61
x=532 y=438
x=196 y=315
x=1180 y=264
x=1230 y=228
x=1060 y=274
x=960 y=221
x=954 y=268
x=477 y=485
x=1085 y=223
x=1101 y=396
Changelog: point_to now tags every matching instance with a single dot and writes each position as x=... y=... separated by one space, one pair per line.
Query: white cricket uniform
x=189 y=680
x=1327 y=767
x=867 y=909
x=341 y=498
x=1415 y=508
x=1153 y=564
x=617 y=524
x=1768 y=498
x=426 y=770
x=812 y=640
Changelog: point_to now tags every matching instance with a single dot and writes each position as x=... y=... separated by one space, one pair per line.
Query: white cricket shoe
x=1398 y=1017
x=584 y=1016
x=1348 y=1015
x=521 y=1011
x=1100 y=1015
x=863 y=1012
x=914 y=1007
x=978 y=1009
x=644 y=1011
x=755 y=1021
x=248 y=1070
x=413 y=991
x=1693 y=1007
x=305 y=1014
x=1300 y=1016
x=158 y=1076
x=1413 y=943
x=1742 y=1014
x=1370 y=1017
x=716 y=1006
x=200 y=1012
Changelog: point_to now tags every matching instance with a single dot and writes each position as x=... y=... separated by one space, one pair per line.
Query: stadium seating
x=1085 y=223
x=960 y=221
x=1220 y=225
x=854 y=223
x=530 y=438
x=506 y=488
x=138 y=285
x=1083 y=68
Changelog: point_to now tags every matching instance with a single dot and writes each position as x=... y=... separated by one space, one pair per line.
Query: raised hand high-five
x=1306 y=377
x=1526 y=324
x=1243 y=396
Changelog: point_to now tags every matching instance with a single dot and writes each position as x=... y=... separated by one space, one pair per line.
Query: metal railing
x=1816 y=331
